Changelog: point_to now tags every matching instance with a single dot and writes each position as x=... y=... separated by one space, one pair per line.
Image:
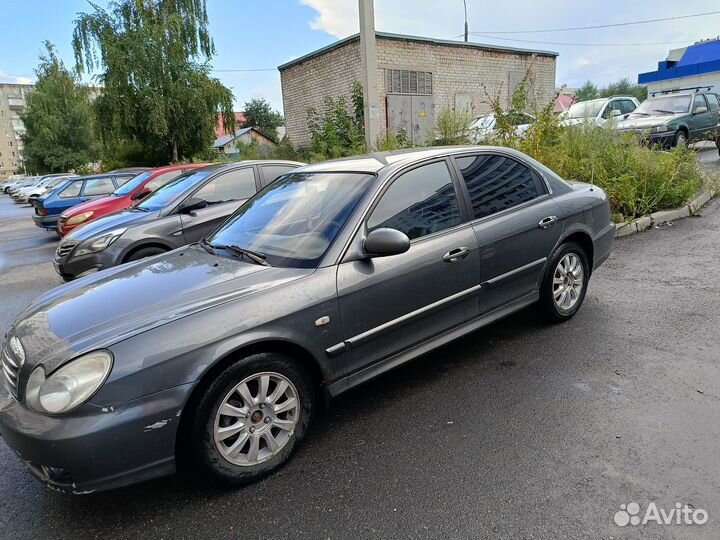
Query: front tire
x=680 y=140
x=251 y=418
x=565 y=282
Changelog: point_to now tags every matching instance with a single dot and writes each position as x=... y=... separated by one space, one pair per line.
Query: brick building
x=416 y=78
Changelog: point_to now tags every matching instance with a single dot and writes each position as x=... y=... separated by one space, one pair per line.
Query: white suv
x=598 y=111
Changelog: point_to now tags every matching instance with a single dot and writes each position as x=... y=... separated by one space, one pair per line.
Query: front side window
x=699 y=102
x=420 y=202
x=295 y=219
x=231 y=186
x=173 y=191
x=99 y=186
x=72 y=190
x=496 y=183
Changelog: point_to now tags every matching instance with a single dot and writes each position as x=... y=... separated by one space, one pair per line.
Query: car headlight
x=659 y=129
x=100 y=243
x=80 y=218
x=70 y=386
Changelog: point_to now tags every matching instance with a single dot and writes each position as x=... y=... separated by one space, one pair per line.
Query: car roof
x=245 y=163
x=375 y=162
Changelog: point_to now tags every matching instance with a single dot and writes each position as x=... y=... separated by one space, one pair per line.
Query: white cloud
x=12 y=79
x=603 y=64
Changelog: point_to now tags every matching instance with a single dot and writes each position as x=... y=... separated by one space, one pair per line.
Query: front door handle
x=546 y=223
x=457 y=254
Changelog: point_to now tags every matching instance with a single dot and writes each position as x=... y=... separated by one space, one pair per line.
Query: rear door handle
x=457 y=254
x=546 y=223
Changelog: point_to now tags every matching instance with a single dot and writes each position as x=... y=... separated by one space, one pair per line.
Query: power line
x=601 y=25
x=582 y=44
x=241 y=70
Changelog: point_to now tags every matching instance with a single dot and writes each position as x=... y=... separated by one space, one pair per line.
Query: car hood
x=111 y=222
x=102 y=309
x=646 y=121
x=578 y=121
x=105 y=205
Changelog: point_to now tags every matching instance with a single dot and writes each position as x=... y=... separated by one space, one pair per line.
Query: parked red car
x=123 y=197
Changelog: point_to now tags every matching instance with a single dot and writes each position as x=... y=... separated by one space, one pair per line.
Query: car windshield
x=129 y=187
x=56 y=182
x=295 y=219
x=585 y=109
x=664 y=105
x=172 y=191
x=483 y=122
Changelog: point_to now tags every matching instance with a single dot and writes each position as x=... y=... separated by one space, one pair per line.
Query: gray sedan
x=216 y=355
x=181 y=212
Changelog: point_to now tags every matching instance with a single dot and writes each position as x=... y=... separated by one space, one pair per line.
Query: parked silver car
x=219 y=352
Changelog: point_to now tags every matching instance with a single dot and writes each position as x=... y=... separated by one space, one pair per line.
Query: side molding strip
x=355 y=340
x=506 y=275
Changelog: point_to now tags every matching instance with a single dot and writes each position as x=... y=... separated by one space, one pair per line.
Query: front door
x=224 y=194
x=516 y=222
x=388 y=304
x=701 y=123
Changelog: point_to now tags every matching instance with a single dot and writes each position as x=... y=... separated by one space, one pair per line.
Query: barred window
x=403 y=81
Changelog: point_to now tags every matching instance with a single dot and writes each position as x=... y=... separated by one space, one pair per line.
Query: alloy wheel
x=257 y=419
x=568 y=282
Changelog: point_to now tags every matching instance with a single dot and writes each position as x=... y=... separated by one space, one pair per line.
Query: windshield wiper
x=207 y=246
x=662 y=111
x=254 y=256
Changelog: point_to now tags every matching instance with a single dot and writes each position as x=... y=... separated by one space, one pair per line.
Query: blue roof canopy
x=698 y=59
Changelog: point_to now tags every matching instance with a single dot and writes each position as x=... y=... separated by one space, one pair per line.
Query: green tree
x=258 y=113
x=587 y=91
x=624 y=87
x=58 y=120
x=158 y=95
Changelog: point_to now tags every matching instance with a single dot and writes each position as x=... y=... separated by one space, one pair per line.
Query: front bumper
x=46 y=222
x=93 y=448
x=70 y=266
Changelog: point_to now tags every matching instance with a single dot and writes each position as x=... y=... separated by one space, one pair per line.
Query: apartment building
x=12 y=104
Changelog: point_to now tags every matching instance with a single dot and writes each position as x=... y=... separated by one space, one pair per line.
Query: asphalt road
x=520 y=430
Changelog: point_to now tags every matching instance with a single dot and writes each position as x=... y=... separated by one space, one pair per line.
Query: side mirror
x=615 y=112
x=192 y=204
x=700 y=110
x=386 y=242
x=144 y=192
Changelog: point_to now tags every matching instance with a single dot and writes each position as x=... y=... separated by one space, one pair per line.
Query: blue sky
x=252 y=34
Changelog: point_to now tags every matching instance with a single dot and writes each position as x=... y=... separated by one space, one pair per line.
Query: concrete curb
x=644 y=223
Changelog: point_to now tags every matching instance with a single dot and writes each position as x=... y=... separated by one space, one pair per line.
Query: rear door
x=390 y=303
x=516 y=222
x=224 y=194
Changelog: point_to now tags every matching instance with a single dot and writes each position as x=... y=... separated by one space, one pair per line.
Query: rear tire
x=564 y=284
x=680 y=140
x=250 y=418
x=144 y=253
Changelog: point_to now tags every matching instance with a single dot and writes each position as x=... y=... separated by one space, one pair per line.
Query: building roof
x=220 y=128
x=417 y=39
x=697 y=59
x=225 y=139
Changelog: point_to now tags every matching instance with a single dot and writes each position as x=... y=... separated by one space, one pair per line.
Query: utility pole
x=368 y=57
x=466 y=25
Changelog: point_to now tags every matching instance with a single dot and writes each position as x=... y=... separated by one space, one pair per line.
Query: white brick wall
x=456 y=69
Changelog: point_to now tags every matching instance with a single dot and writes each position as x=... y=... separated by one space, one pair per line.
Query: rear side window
x=231 y=186
x=271 y=172
x=496 y=183
x=99 y=186
x=72 y=190
x=420 y=202
x=713 y=101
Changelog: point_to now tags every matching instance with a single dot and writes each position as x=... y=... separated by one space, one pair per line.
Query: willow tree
x=153 y=62
x=58 y=119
